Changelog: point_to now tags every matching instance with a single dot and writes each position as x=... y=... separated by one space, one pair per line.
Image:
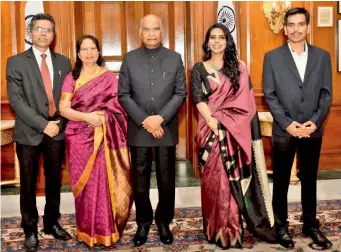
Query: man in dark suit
x=34 y=81
x=152 y=87
x=298 y=90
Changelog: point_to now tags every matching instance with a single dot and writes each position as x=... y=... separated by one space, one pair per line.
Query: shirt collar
x=37 y=53
x=305 y=50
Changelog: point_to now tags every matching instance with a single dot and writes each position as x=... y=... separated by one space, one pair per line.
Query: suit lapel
x=56 y=77
x=289 y=61
x=311 y=61
x=35 y=67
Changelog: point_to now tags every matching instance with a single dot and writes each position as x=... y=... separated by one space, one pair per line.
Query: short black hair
x=42 y=16
x=294 y=11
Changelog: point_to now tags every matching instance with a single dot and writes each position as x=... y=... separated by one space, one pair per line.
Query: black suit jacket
x=289 y=99
x=152 y=85
x=27 y=96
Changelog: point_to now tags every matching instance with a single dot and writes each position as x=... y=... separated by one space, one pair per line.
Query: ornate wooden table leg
x=7 y=127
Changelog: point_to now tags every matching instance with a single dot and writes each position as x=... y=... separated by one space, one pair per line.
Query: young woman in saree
x=97 y=151
x=234 y=180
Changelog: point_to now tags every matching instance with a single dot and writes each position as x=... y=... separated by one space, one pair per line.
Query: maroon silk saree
x=98 y=160
x=234 y=180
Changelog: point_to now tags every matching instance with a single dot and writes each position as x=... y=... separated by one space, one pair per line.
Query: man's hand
x=309 y=127
x=151 y=123
x=298 y=130
x=212 y=123
x=158 y=133
x=94 y=119
x=52 y=128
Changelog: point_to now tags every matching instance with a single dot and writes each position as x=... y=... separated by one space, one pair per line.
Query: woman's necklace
x=213 y=67
x=90 y=75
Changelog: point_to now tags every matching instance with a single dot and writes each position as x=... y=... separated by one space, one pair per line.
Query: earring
x=208 y=49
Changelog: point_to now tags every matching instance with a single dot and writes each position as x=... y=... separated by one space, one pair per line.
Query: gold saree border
x=98 y=137
x=83 y=79
x=66 y=96
x=109 y=172
x=97 y=239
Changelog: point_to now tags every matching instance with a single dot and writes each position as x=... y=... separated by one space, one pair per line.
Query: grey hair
x=141 y=21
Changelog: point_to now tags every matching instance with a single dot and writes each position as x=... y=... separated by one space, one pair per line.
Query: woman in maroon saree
x=234 y=181
x=97 y=151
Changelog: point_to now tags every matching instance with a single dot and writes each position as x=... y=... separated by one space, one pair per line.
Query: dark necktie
x=48 y=85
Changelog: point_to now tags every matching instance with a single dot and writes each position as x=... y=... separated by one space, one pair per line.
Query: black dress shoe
x=31 y=241
x=318 y=237
x=141 y=235
x=283 y=237
x=58 y=232
x=166 y=235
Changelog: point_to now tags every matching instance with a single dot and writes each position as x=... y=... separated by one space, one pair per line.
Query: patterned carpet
x=187 y=230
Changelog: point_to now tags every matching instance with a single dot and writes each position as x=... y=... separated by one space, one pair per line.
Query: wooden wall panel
x=111 y=29
x=9 y=45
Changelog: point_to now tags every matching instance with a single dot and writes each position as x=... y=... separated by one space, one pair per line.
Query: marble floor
x=187 y=192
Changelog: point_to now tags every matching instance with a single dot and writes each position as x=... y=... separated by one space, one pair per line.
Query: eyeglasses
x=41 y=29
x=90 y=49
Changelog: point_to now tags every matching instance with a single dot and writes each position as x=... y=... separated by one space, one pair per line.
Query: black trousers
x=308 y=154
x=141 y=158
x=28 y=156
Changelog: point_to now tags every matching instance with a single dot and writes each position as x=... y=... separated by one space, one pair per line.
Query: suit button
x=152 y=70
x=152 y=57
x=301 y=113
x=46 y=104
x=302 y=100
x=300 y=87
x=152 y=84
x=152 y=98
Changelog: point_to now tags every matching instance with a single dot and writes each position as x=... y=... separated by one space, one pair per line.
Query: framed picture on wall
x=339 y=44
x=325 y=16
x=339 y=6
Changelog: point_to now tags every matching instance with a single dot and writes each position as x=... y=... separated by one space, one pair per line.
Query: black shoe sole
x=31 y=249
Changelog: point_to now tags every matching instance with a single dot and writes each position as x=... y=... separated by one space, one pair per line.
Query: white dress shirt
x=300 y=60
x=39 y=59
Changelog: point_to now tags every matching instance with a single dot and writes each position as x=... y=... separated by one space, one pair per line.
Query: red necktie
x=48 y=85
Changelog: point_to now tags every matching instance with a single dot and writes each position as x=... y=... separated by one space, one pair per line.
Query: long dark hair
x=76 y=71
x=231 y=62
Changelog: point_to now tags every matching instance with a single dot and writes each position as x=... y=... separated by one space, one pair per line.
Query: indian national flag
x=32 y=8
x=227 y=16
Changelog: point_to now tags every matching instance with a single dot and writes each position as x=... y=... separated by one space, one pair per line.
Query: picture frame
x=325 y=16
x=339 y=7
x=339 y=45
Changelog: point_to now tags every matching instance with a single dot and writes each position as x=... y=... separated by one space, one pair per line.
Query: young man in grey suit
x=152 y=87
x=34 y=81
x=298 y=90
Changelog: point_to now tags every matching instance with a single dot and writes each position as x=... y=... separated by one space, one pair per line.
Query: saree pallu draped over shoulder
x=99 y=163
x=234 y=181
